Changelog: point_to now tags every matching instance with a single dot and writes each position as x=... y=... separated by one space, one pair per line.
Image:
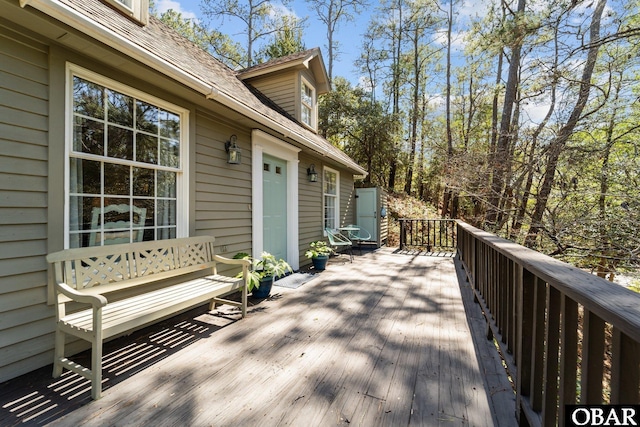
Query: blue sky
x=348 y=35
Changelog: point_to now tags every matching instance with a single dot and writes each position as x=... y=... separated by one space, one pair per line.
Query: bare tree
x=331 y=13
x=257 y=16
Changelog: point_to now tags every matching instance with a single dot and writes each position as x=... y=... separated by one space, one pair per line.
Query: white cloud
x=164 y=5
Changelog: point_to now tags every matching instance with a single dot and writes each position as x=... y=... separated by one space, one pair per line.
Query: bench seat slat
x=141 y=309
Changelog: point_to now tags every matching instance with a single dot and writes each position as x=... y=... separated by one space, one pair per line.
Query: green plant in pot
x=319 y=253
x=264 y=271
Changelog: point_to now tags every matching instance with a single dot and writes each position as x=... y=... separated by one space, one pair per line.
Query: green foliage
x=266 y=266
x=318 y=248
x=219 y=45
x=255 y=20
x=285 y=41
x=359 y=126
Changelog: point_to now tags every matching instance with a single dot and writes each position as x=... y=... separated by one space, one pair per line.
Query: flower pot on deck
x=265 y=288
x=320 y=262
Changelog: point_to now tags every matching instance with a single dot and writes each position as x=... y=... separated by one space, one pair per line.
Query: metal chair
x=338 y=240
x=358 y=235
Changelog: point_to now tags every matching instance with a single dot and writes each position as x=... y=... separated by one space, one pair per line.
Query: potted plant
x=264 y=271
x=319 y=253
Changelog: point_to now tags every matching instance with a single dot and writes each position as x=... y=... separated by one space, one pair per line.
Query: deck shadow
x=36 y=398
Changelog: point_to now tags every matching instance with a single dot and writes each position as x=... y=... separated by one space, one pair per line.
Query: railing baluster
x=428 y=234
x=625 y=369
x=568 y=355
x=592 y=356
x=551 y=365
x=524 y=361
x=537 y=349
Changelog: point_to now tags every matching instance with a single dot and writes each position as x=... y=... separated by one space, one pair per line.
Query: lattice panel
x=153 y=261
x=99 y=270
x=193 y=254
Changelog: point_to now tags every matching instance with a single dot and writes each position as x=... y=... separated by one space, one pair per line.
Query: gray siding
x=281 y=89
x=310 y=206
x=25 y=318
x=311 y=203
x=223 y=192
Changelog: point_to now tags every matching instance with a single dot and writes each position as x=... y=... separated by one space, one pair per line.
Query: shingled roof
x=311 y=58
x=163 y=49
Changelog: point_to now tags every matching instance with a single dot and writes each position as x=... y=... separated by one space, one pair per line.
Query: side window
x=125 y=165
x=307 y=101
x=330 y=187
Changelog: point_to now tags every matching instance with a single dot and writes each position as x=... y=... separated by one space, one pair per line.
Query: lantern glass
x=312 y=174
x=234 y=154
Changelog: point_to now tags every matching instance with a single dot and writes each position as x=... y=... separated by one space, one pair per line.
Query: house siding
x=223 y=192
x=310 y=206
x=25 y=319
x=311 y=219
x=280 y=88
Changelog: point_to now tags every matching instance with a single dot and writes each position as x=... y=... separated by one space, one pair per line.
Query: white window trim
x=263 y=143
x=314 y=107
x=139 y=9
x=337 y=196
x=182 y=179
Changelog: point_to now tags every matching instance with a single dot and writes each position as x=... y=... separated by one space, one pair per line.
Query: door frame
x=263 y=143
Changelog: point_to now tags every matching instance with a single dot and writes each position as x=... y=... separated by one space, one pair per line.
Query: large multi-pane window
x=124 y=165
x=331 y=204
x=307 y=112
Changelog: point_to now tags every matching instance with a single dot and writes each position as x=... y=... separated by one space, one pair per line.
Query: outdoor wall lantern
x=234 y=154
x=312 y=174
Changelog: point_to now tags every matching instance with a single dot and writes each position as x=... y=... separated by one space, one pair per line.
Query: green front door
x=274 y=202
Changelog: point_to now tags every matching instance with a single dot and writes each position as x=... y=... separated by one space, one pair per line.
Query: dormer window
x=307 y=105
x=136 y=9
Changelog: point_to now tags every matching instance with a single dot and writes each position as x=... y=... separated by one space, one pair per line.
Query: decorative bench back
x=115 y=267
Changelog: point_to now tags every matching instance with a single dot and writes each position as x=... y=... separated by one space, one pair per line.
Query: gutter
x=82 y=23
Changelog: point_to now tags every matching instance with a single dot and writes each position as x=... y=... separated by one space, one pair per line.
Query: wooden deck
x=385 y=341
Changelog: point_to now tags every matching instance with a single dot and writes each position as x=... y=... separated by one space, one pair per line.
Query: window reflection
x=116 y=191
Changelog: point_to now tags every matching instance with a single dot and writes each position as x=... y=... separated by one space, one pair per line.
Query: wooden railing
x=428 y=234
x=567 y=336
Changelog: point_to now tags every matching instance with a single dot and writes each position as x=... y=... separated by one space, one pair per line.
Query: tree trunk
x=504 y=137
x=558 y=143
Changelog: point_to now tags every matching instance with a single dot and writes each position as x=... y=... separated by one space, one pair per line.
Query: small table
x=347 y=229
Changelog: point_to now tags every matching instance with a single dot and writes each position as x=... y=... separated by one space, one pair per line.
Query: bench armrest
x=96 y=301
x=232 y=261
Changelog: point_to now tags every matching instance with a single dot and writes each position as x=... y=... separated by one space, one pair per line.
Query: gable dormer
x=292 y=82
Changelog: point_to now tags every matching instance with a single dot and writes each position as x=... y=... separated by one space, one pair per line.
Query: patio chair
x=358 y=235
x=337 y=240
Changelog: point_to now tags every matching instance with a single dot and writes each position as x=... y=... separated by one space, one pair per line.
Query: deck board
x=390 y=340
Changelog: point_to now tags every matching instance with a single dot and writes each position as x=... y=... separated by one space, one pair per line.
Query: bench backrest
x=115 y=267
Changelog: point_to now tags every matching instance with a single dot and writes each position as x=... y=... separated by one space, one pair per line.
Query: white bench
x=183 y=273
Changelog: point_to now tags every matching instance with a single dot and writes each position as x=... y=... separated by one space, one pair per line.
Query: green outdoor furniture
x=337 y=240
